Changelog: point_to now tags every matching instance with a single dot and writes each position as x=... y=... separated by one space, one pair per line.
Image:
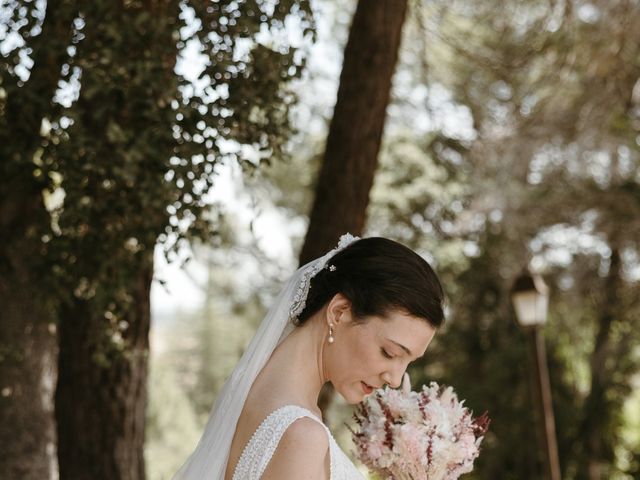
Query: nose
x=393 y=378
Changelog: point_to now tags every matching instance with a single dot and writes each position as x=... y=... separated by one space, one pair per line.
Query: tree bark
x=353 y=143
x=28 y=346
x=120 y=136
x=101 y=398
x=355 y=133
x=27 y=379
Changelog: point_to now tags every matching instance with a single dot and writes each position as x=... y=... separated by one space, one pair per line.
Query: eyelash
x=385 y=354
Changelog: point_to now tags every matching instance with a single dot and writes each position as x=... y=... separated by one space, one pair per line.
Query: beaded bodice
x=265 y=439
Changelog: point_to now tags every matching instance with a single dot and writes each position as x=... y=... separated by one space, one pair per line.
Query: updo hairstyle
x=378 y=276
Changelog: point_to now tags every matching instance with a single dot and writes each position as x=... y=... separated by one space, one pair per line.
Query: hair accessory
x=332 y=268
x=300 y=297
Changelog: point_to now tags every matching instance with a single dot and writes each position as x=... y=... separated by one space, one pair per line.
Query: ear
x=339 y=309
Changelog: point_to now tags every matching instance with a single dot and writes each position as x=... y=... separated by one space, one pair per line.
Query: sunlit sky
x=271 y=229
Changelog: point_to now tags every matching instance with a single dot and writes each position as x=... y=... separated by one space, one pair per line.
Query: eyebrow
x=402 y=347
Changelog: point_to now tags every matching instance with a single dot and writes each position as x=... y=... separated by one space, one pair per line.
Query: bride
x=355 y=317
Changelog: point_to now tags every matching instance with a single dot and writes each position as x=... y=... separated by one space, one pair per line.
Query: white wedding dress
x=259 y=450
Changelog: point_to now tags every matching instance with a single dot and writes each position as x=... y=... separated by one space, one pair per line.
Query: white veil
x=209 y=460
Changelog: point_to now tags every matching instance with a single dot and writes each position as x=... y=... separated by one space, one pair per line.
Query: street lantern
x=530 y=297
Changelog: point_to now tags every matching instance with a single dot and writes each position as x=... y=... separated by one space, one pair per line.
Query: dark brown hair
x=378 y=276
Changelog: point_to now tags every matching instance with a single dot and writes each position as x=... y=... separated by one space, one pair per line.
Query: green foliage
x=548 y=177
x=130 y=153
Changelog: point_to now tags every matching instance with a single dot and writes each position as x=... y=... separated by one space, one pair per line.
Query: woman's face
x=366 y=356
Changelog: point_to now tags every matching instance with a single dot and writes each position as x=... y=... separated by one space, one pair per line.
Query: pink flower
x=395 y=402
x=426 y=435
x=467 y=444
x=410 y=443
x=375 y=449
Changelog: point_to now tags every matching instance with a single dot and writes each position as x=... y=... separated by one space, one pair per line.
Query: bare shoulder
x=301 y=453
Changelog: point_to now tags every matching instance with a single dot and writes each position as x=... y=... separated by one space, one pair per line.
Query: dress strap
x=264 y=441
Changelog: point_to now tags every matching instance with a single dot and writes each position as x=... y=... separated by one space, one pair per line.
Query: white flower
x=426 y=435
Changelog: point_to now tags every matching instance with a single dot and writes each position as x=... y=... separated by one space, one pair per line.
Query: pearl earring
x=330 y=339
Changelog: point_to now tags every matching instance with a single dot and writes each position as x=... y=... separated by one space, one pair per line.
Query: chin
x=353 y=401
x=352 y=396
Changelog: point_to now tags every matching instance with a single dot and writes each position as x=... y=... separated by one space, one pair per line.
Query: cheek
x=357 y=361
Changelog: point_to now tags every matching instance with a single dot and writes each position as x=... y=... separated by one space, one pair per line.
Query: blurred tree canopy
x=546 y=175
x=512 y=139
x=108 y=147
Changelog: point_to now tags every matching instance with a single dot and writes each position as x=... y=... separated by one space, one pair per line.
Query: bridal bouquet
x=427 y=435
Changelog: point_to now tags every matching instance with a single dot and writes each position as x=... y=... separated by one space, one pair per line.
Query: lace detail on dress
x=264 y=441
x=300 y=297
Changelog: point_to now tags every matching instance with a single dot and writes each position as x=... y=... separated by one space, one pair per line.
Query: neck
x=299 y=364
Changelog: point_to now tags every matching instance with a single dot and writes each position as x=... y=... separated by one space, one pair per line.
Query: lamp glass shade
x=531 y=307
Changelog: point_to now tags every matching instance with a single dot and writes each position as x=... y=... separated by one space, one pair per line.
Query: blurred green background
x=160 y=161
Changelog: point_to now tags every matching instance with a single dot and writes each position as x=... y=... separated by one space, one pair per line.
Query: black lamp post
x=530 y=297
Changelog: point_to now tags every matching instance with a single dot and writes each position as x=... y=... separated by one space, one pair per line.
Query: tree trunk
x=351 y=155
x=27 y=339
x=27 y=314
x=101 y=395
x=27 y=378
x=353 y=143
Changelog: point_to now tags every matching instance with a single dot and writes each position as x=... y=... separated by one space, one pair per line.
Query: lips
x=366 y=388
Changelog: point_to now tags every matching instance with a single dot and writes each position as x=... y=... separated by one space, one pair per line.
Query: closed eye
x=385 y=353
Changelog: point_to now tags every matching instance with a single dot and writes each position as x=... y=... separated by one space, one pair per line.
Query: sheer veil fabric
x=209 y=460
